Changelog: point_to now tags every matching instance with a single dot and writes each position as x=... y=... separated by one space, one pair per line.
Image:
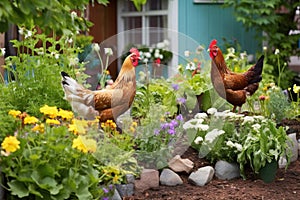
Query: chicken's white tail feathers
x=81 y=99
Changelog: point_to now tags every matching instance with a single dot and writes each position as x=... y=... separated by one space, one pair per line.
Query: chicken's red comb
x=134 y=50
x=213 y=43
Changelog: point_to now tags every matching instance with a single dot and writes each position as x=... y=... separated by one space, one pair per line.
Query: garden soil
x=285 y=187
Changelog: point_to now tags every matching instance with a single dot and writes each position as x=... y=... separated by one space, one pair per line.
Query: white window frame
x=172 y=26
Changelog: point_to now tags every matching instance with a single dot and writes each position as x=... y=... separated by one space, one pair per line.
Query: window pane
x=134 y=35
x=157 y=4
x=128 y=6
x=132 y=22
x=157 y=35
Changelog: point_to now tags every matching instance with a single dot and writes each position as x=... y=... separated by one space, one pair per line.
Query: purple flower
x=105 y=190
x=171 y=131
x=164 y=126
x=156 y=132
x=179 y=117
x=181 y=100
x=105 y=198
x=173 y=123
x=175 y=86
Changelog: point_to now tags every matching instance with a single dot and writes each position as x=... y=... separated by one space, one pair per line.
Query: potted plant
x=263 y=144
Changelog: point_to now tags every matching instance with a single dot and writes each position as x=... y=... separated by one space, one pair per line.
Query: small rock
x=226 y=170
x=170 y=178
x=125 y=189
x=149 y=179
x=293 y=144
x=130 y=178
x=116 y=195
x=202 y=176
x=178 y=164
x=282 y=162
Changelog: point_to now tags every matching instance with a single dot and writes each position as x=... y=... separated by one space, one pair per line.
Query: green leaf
x=18 y=188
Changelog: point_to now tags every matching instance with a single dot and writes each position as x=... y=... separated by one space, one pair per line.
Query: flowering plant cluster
x=54 y=157
x=248 y=140
x=157 y=137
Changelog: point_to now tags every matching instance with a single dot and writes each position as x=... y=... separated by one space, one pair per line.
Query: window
x=149 y=26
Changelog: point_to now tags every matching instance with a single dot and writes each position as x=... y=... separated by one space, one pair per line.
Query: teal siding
x=204 y=22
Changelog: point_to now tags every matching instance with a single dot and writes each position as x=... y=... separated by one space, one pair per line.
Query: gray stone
x=130 y=178
x=149 y=179
x=125 y=189
x=170 y=178
x=202 y=176
x=227 y=171
x=177 y=164
x=293 y=144
x=282 y=162
x=116 y=195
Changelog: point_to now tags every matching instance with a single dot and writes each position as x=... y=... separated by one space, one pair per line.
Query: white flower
x=96 y=47
x=56 y=56
x=145 y=60
x=150 y=50
x=230 y=143
x=166 y=42
x=248 y=119
x=231 y=50
x=161 y=56
x=212 y=135
x=200 y=116
x=191 y=66
x=186 y=53
x=198 y=140
x=160 y=45
x=195 y=124
x=276 y=51
x=2 y=51
x=70 y=40
x=28 y=34
x=108 y=51
x=156 y=55
x=212 y=111
x=238 y=146
x=243 y=55
x=21 y=31
x=265 y=48
x=73 y=61
x=230 y=115
x=147 y=55
x=73 y=15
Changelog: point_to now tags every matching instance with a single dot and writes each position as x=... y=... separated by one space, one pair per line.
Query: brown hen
x=234 y=87
x=108 y=103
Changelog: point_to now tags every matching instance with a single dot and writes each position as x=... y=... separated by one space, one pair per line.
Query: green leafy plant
x=35 y=72
x=156 y=138
x=40 y=161
x=248 y=140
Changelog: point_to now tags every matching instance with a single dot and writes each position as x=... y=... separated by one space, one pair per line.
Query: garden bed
x=286 y=186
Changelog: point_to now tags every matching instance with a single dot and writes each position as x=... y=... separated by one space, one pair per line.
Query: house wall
x=206 y=21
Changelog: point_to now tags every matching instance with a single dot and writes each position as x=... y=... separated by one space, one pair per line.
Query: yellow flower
x=10 y=144
x=39 y=128
x=30 y=120
x=52 y=112
x=78 y=126
x=109 y=124
x=78 y=144
x=52 y=122
x=132 y=129
x=115 y=179
x=14 y=113
x=85 y=145
x=134 y=124
x=296 y=88
x=65 y=114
